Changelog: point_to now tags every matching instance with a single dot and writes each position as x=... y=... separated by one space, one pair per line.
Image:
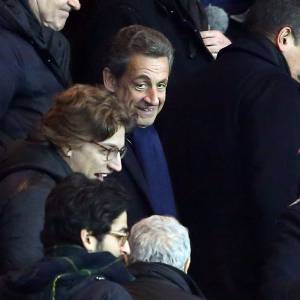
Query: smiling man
x=137 y=69
x=34 y=62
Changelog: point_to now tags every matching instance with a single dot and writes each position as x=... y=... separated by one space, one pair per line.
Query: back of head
x=136 y=39
x=267 y=17
x=160 y=239
x=86 y=113
x=80 y=203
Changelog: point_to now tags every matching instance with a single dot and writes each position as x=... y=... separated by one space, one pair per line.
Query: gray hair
x=160 y=239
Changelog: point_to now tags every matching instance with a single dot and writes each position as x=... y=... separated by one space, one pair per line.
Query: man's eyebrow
x=145 y=77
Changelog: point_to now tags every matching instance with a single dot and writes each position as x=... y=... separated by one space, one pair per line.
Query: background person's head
x=279 y=20
x=160 y=239
x=88 y=124
x=137 y=68
x=53 y=13
x=88 y=213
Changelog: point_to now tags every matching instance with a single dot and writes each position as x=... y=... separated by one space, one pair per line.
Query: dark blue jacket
x=34 y=66
x=69 y=273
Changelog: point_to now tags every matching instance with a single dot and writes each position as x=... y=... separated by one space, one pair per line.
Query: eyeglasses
x=121 y=236
x=112 y=153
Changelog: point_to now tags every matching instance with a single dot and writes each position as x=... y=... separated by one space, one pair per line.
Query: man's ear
x=285 y=39
x=109 y=80
x=89 y=242
x=187 y=265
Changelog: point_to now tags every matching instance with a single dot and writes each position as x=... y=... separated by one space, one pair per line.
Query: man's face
x=145 y=82
x=115 y=241
x=293 y=60
x=92 y=159
x=53 y=13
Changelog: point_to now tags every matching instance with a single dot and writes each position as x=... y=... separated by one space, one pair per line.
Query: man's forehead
x=142 y=65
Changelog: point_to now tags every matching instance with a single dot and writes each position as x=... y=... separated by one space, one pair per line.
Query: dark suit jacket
x=244 y=135
x=133 y=179
x=158 y=281
x=281 y=280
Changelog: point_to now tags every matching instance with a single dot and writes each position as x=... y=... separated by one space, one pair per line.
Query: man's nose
x=75 y=4
x=125 y=248
x=116 y=164
x=152 y=97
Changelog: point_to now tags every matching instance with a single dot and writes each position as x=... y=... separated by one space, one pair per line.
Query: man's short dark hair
x=269 y=16
x=137 y=39
x=78 y=203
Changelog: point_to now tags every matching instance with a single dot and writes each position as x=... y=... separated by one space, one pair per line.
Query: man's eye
x=162 y=86
x=140 y=86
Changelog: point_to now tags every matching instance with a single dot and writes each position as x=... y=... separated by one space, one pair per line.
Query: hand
x=214 y=41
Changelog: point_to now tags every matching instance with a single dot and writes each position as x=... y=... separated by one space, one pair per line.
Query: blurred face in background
x=53 y=13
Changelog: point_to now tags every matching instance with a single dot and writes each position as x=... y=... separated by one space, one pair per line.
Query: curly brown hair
x=86 y=113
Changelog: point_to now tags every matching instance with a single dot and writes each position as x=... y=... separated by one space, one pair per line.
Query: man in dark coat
x=160 y=258
x=137 y=70
x=181 y=22
x=34 y=62
x=84 y=236
x=281 y=280
x=244 y=137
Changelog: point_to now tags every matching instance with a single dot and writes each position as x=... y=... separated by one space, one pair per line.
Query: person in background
x=244 y=164
x=84 y=237
x=159 y=259
x=83 y=132
x=34 y=62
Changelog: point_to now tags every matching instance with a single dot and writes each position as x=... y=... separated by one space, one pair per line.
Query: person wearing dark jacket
x=137 y=70
x=159 y=259
x=181 y=22
x=34 y=62
x=60 y=147
x=244 y=165
x=84 y=236
x=281 y=276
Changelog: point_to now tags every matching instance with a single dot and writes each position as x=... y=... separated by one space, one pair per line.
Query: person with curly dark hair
x=84 y=237
x=83 y=132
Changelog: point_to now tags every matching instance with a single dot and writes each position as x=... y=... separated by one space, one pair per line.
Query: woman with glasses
x=83 y=132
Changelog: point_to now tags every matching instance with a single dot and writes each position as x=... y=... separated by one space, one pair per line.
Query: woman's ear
x=109 y=80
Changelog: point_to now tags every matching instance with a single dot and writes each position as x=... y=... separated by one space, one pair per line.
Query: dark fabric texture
x=69 y=272
x=157 y=281
x=243 y=164
x=27 y=176
x=132 y=177
x=34 y=66
x=281 y=280
x=150 y=155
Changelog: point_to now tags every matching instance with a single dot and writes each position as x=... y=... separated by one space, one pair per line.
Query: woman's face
x=98 y=159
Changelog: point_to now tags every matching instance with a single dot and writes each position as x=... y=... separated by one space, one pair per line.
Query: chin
x=145 y=123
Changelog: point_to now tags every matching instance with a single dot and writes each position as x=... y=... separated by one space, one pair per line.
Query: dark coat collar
x=39 y=156
x=261 y=47
x=70 y=262
x=132 y=165
x=165 y=272
x=17 y=17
